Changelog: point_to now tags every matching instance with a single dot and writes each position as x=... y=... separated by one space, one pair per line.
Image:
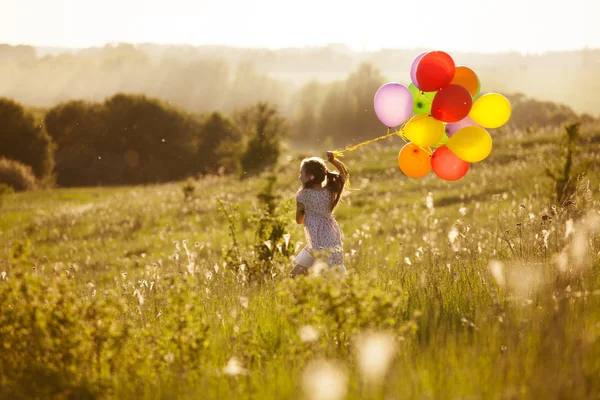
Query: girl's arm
x=299 y=213
x=341 y=167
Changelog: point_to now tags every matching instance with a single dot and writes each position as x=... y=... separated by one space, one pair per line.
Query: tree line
x=135 y=139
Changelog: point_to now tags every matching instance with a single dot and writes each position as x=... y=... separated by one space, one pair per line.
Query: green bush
x=25 y=140
x=265 y=129
x=125 y=140
x=16 y=175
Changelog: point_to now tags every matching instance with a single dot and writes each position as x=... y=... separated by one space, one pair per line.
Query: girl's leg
x=298 y=270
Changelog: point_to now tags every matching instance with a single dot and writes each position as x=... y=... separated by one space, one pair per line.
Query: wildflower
x=234 y=367
x=375 y=353
x=318 y=267
x=569 y=228
x=169 y=357
x=452 y=235
x=308 y=333
x=269 y=245
x=244 y=302
x=497 y=270
x=429 y=202
x=324 y=380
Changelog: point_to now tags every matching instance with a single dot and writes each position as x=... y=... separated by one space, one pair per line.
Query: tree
x=24 y=140
x=146 y=141
x=265 y=128
x=126 y=140
x=306 y=113
x=220 y=144
x=75 y=127
x=250 y=86
x=347 y=112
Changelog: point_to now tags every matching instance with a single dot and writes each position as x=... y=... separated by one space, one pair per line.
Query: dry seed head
x=318 y=267
x=569 y=228
x=244 y=302
x=234 y=367
x=579 y=249
x=452 y=235
x=324 y=380
x=497 y=270
x=308 y=333
x=375 y=352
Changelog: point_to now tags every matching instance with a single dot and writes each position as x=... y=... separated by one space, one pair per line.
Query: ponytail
x=335 y=184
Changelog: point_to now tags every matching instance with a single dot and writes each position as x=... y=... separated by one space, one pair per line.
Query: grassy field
x=480 y=288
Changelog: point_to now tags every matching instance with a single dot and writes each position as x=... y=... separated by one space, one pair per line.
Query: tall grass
x=482 y=288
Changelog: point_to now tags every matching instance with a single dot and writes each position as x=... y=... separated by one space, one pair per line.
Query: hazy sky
x=470 y=25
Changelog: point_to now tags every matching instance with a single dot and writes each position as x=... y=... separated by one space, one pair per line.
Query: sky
x=526 y=26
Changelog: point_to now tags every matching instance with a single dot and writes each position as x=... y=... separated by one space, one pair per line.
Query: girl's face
x=304 y=177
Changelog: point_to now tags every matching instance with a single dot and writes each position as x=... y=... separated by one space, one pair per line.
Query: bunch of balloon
x=441 y=116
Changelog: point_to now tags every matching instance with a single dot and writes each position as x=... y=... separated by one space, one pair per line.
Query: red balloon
x=435 y=71
x=451 y=104
x=447 y=166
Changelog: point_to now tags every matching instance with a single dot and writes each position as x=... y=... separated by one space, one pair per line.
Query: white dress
x=322 y=231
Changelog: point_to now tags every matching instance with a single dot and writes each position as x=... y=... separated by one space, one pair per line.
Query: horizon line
x=304 y=47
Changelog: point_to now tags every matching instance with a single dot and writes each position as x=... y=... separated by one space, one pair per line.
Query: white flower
x=269 y=245
x=234 y=367
x=497 y=270
x=569 y=228
x=375 y=352
x=308 y=333
x=169 y=357
x=244 y=302
x=324 y=380
x=429 y=202
x=452 y=235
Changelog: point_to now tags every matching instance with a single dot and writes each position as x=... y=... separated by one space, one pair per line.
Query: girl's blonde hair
x=316 y=167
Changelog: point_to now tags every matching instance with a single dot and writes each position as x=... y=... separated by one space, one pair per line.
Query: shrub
x=16 y=175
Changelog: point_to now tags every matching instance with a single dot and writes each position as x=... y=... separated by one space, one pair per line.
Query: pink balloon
x=447 y=166
x=454 y=127
x=393 y=104
x=413 y=69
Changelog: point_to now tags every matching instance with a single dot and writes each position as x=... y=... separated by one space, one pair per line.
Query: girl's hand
x=330 y=156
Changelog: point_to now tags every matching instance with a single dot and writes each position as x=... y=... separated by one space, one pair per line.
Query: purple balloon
x=413 y=69
x=393 y=104
x=454 y=127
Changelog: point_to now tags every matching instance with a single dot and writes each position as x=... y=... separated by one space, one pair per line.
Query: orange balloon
x=414 y=161
x=467 y=78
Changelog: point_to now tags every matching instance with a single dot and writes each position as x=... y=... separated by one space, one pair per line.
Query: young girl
x=320 y=193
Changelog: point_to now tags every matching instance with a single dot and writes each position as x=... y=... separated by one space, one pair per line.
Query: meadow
x=484 y=288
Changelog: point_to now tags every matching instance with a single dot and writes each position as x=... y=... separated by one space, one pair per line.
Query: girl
x=320 y=193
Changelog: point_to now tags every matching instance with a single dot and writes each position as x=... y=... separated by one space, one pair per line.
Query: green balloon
x=421 y=100
x=478 y=88
x=443 y=141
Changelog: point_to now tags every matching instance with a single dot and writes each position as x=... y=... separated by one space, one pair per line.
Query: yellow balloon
x=491 y=110
x=471 y=144
x=424 y=130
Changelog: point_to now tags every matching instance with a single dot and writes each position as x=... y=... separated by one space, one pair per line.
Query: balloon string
x=352 y=148
x=389 y=133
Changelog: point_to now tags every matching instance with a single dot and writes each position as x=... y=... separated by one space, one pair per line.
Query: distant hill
x=569 y=77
